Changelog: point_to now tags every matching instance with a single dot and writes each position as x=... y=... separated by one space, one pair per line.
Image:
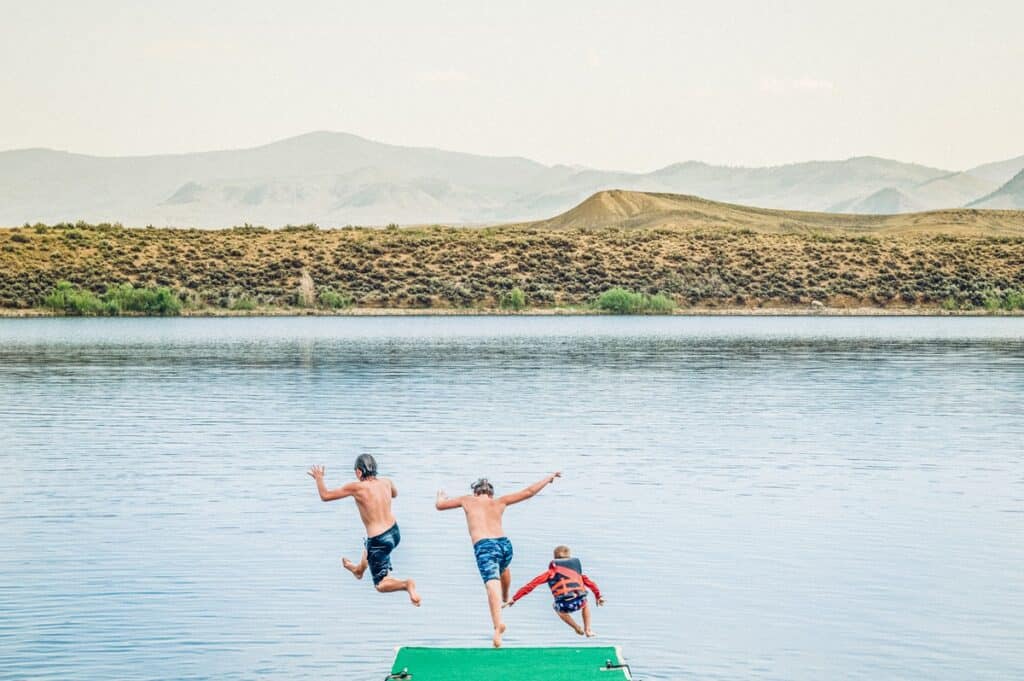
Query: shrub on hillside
x=158 y=300
x=1014 y=300
x=244 y=303
x=71 y=300
x=513 y=300
x=658 y=304
x=623 y=301
x=333 y=300
x=1003 y=300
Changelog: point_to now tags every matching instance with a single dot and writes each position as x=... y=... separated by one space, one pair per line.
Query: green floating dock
x=513 y=664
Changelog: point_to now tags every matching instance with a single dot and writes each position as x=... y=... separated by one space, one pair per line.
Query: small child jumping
x=569 y=586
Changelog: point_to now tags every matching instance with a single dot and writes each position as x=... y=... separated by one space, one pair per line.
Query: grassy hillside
x=458 y=267
x=627 y=209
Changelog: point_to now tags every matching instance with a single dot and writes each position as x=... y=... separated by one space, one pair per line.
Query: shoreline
x=797 y=311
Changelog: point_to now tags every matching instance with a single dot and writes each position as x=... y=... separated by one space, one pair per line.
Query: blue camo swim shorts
x=492 y=557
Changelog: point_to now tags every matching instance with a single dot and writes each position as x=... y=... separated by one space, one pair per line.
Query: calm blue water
x=769 y=498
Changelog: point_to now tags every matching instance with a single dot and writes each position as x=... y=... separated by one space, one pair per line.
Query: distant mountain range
x=1010 y=195
x=335 y=179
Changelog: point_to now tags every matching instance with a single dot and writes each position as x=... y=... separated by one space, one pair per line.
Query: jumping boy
x=569 y=587
x=492 y=548
x=373 y=497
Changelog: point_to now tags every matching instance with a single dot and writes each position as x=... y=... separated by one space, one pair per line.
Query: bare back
x=483 y=511
x=483 y=516
x=373 y=499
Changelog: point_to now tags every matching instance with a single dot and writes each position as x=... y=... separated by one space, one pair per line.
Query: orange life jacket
x=566 y=578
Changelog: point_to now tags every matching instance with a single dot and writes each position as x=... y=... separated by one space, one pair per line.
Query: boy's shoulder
x=370 y=484
x=570 y=563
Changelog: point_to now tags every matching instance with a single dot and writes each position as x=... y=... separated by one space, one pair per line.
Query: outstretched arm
x=317 y=473
x=443 y=503
x=530 y=586
x=593 y=587
x=524 y=494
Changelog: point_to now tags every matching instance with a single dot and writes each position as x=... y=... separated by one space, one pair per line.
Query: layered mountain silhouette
x=335 y=179
x=1010 y=195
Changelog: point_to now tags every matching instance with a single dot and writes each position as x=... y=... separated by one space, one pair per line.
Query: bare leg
x=356 y=570
x=494 y=603
x=389 y=584
x=567 y=618
x=506 y=584
x=586 y=620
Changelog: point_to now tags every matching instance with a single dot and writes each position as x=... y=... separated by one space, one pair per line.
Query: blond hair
x=562 y=551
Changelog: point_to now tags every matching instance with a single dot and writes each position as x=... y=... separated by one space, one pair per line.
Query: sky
x=617 y=85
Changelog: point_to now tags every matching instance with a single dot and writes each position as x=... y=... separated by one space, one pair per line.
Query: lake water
x=759 y=498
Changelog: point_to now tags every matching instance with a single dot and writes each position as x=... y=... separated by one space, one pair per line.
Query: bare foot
x=590 y=633
x=579 y=632
x=497 y=635
x=353 y=568
x=413 y=594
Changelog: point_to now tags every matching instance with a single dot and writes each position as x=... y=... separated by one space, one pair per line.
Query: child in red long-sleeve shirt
x=569 y=587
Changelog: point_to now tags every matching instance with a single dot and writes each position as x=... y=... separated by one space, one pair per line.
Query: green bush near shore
x=1014 y=300
x=1004 y=300
x=72 y=300
x=513 y=300
x=623 y=301
x=333 y=300
x=158 y=300
x=244 y=304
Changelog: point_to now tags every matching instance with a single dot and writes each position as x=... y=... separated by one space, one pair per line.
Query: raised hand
x=316 y=472
x=443 y=503
x=556 y=474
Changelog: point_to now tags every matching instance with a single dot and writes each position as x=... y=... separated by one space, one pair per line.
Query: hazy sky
x=631 y=85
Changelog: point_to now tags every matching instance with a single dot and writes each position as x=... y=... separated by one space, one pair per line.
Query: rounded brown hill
x=630 y=209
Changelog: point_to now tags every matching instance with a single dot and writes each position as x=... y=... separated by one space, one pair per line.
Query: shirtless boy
x=373 y=497
x=492 y=548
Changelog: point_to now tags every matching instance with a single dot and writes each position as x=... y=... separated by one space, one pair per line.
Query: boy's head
x=562 y=552
x=366 y=467
x=482 y=486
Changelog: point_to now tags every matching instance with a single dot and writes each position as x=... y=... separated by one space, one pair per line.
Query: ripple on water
x=769 y=498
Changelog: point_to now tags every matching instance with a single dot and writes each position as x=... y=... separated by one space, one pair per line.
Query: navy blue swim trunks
x=492 y=557
x=378 y=553
x=570 y=603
